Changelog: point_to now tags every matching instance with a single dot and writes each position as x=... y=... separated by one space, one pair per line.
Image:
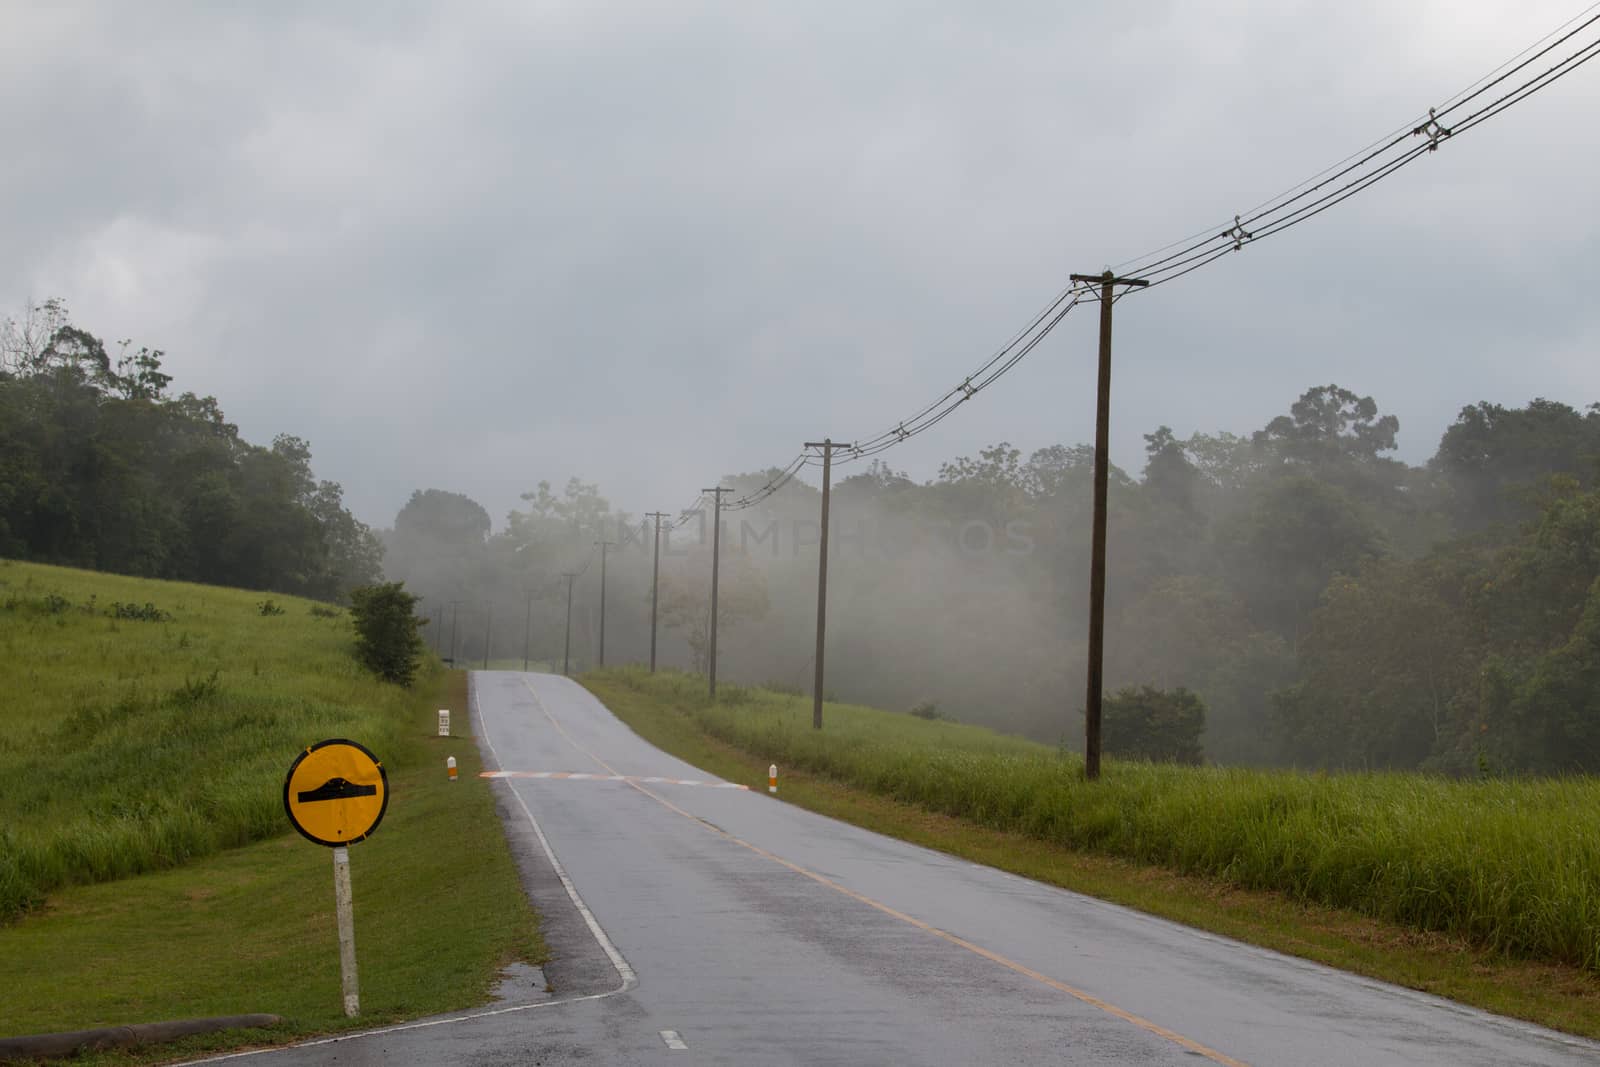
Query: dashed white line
x=674 y=1040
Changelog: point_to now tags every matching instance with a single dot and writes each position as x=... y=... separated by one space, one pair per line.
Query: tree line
x=102 y=467
x=1331 y=605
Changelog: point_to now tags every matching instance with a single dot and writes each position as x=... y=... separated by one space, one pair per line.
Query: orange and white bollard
x=450 y=767
x=772 y=778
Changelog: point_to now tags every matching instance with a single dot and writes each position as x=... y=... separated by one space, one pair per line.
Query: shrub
x=267 y=607
x=146 y=612
x=1155 y=724
x=925 y=709
x=388 y=632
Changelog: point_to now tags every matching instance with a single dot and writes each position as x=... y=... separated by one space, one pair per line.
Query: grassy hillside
x=1509 y=865
x=148 y=723
x=147 y=728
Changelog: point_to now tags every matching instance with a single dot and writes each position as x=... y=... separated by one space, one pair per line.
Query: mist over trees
x=1327 y=604
x=1297 y=595
x=101 y=467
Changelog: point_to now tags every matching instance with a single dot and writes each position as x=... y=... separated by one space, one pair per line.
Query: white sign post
x=444 y=722
x=347 y=932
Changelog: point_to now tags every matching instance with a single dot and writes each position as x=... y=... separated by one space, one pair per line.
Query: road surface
x=696 y=922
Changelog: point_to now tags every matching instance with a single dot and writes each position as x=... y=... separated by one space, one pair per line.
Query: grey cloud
x=476 y=246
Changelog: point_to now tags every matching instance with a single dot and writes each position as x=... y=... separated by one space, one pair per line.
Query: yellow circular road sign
x=336 y=792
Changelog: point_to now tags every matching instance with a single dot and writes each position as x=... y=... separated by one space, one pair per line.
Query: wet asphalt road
x=751 y=932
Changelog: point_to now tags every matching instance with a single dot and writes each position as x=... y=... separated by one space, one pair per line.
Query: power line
x=1301 y=202
x=1275 y=214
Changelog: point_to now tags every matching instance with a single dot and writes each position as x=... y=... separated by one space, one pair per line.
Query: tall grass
x=1510 y=864
x=136 y=740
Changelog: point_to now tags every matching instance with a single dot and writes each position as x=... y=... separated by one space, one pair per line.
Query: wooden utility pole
x=455 y=612
x=716 y=555
x=603 y=546
x=488 y=633
x=827 y=446
x=527 y=630
x=1097 y=565
x=566 y=651
x=655 y=584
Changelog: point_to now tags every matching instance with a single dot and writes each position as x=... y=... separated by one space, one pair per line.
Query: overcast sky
x=473 y=246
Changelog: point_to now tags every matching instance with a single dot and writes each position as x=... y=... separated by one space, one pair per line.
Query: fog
x=1293 y=576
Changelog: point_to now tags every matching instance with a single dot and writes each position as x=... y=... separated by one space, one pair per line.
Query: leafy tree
x=1144 y=722
x=878 y=482
x=685 y=603
x=1549 y=721
x=1168 y=473
x=1329 y=425
x=1386 y=655
x=100 y=467
x=1297 y=536
x=354 y=553
x=388 y=632
x=579 y=507
x=1491 y=452
x=443 y=518
x=1225 y=461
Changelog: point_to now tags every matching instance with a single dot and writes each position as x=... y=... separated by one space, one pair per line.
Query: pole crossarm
x=1108 y=278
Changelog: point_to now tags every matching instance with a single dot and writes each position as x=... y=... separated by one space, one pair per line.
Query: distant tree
x=579 y=507
x=388 y=632
x=1297 y=536
x=1168 y=473
x=101 y=468
x=1328 y=425
x=1143 y=722
x=998 y=467
x=442 y=518
x=1537 y=704
x=1385 y=656
x=354 y=556
x=877 y=482
x=1060 y=470
x=1225 y=461
x=685 y=603
x=1492 y=456
x=23 y=341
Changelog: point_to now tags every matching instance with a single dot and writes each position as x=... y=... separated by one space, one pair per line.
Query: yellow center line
x=994 y=957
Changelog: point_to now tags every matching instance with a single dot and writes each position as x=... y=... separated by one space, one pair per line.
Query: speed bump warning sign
x=336 y=792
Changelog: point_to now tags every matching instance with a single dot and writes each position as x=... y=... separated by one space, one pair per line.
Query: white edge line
x=625 y=972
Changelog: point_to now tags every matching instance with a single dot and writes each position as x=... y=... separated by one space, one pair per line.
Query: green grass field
x=1512 y=866
x=147 y=869
x=130 y=744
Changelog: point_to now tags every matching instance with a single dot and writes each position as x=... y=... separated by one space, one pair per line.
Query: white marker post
x=450 y=768
x=772 y=778
x=444 y=722
x=347 y=932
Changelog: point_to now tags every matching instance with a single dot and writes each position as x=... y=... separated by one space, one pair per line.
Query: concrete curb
x=39 y=1046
